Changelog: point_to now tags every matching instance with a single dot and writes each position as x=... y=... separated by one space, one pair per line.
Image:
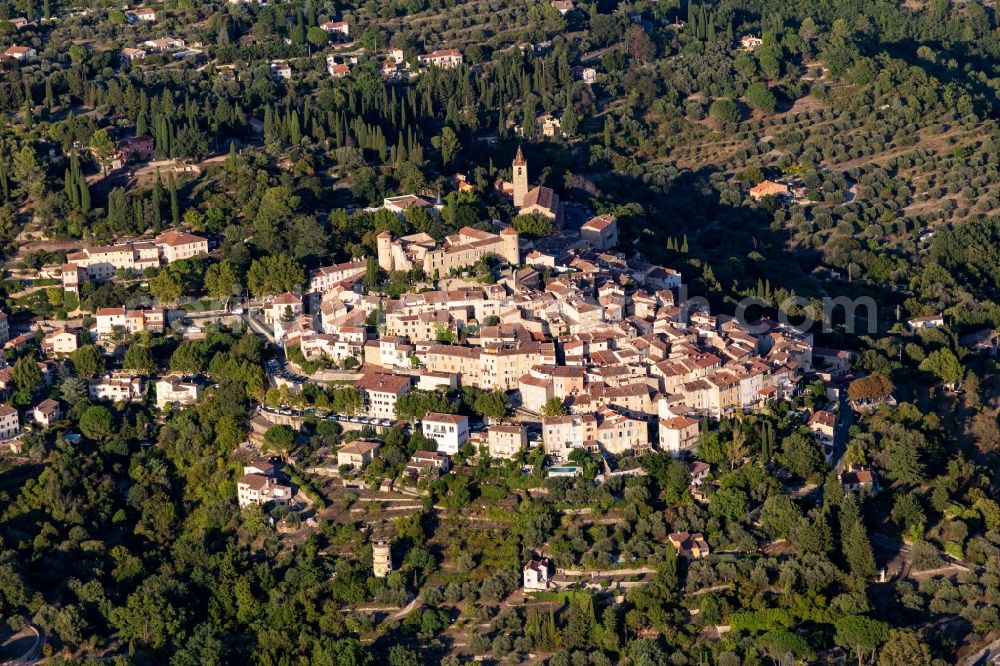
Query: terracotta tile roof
x=377 y=382
x=599 y=223
x=173 y=238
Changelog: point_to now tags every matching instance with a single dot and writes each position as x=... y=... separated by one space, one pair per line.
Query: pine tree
x=854 y=544
x=50 y=98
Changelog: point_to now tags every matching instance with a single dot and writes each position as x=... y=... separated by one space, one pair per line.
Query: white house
x=47 y=412
x=538 y=574
x=450 y=431
x=336 y=27
x=678 y=433
x=281 y=69
x=115 y=389
x=918 y=323
x=172 y=389
x=10 y=425
x=261 y=490
x=445 y=59
x=147 y=14
x=20 y=53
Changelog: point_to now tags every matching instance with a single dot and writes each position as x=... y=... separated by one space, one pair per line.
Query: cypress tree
x=141 y=122
x=157 y=201
x=568 y=123
x=137 y=217
x=294 y=131
x=4 y=183
x=175 y=206
x=400 y=151
x=68 y=186
x=84 y=195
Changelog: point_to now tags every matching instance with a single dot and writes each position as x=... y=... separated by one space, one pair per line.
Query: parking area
x=327 y=416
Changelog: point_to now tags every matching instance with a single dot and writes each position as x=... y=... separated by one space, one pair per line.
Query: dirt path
x=607 y=572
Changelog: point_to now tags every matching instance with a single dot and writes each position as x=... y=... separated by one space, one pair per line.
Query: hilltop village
x=499 y=331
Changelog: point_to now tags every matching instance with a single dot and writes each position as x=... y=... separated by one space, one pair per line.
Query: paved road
x=988 y=655
x=259 y=328
x=403 y=612
x=841 y=433
x=31 y=653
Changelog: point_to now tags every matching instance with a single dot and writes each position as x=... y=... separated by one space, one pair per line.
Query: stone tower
x=519 y=177
x=381 y=558
x=510 y=246
x=384 y=241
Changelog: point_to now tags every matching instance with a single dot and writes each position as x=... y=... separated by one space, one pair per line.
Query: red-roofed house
x=177 y=245
x=678 y=433
x=601 y=231
x=768 y=188
x=823 y=423
x=855 y=479
x=689 y=544
x=61 y=341
x=445 y=59
x=20 y=53
x=380 y=392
